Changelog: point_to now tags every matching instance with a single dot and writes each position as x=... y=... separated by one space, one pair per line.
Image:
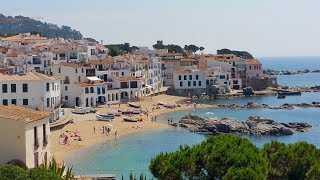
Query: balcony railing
x=66 y=81
x=36 y=143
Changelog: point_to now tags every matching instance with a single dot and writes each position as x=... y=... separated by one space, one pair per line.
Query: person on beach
x=94 y=129
x=115 y=134
x=151 y=119
x=155 y=118
x=102 y=129
x=168 y=121
x=171 y=120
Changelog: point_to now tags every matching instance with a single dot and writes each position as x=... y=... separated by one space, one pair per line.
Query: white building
x=25 y=135
x=31 y=90
x=189 y=82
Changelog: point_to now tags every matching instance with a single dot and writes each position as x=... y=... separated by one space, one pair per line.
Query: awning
x=94 y=78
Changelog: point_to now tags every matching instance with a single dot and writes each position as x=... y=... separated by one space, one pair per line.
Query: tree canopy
x=241 y=54
x=232 y=157
x=222 y=157
x=119 y=49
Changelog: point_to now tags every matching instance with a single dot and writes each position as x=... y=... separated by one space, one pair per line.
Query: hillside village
x=40 y=77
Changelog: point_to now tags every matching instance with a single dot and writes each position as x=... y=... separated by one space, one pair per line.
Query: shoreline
x=86 y=124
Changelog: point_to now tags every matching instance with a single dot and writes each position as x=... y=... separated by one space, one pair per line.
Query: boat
x=79 y=110
x=135 y=105
x=115 y=113
x=104 y=117
x=135 y=111
x=130 y=119
x=281 y=96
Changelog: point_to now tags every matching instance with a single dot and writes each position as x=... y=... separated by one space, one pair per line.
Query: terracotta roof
x=252 y=62
x=101 y=62
x=30 y=76
x=186 y=60
x=129 y=78
x=183 y=71
x=20 y=113
x=75 y=65
x=86 y=84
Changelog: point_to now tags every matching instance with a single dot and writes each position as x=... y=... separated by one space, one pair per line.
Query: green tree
x=8 y=172
x=221 y=157
x=191 y=48
x=159 y=45
x=291 y=161
x=43 y=174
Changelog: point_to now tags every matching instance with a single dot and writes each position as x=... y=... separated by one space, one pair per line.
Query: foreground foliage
x=43 y=172
x=231 y=157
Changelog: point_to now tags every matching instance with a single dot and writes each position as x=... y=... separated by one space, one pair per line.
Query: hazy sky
x=262 y=27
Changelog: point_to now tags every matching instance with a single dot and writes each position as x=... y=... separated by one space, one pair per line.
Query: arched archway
x=124 y=95
x=87 y=102
x=92 y=101
x=78 y=101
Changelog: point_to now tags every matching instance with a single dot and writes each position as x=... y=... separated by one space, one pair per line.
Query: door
x=36 y=159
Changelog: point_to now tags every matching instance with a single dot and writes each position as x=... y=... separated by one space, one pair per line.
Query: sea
x=133 y=153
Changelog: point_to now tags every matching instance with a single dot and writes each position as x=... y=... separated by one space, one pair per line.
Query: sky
x=262 y=27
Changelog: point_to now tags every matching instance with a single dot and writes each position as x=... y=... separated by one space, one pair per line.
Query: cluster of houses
x=40 y=75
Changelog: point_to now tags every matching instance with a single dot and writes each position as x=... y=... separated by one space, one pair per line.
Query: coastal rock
x=254 y=125
x=248 y=91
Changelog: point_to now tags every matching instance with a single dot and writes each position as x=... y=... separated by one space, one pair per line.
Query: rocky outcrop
x=254 y=126
x=248 y=91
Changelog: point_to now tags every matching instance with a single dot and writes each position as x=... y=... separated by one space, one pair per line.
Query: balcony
x=36 y=143
x=66 y=81
x=45 y=140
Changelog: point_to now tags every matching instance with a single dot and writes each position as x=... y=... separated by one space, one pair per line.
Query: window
x=194 y=83
x=197 y=77
x=190 y=77
x=13 y=88
x=59 y=70
x=91 y=90
x=24 y=87
x=199 y=83
x=76 y=69
x=250 y=67
x=44 y=132
x=222 y=77
x=14 y=101
x=82 y=70
x=5 y=102
x=66 y=88
x=4 y=88
x=189 y=83
x=122 y=73
x=52 y=86
x=48 y=102
x=79 y=78
x=179 y=77
x=181 y=84
x=48 y=87
x=25 y=102
x=86 y=90
x=66 y=98
x=185 y=77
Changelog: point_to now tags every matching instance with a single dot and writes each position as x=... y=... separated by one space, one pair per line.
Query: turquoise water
x=135 y=151
x=293 y=64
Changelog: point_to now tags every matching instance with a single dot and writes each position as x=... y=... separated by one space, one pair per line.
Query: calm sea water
x=293 y=64
x=133 y=153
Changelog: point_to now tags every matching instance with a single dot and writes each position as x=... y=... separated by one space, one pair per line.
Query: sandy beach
x=84 y=125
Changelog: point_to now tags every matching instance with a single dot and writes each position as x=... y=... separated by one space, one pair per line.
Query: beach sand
x=84 y=125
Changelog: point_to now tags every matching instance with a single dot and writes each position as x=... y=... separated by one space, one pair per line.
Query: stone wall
x=256 y=84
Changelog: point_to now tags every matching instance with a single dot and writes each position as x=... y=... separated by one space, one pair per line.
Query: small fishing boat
x=135 y=111
x=130 y=119
x=79 y=110
x=115 y=113
x=104 y=117
x=281 y=96
x=135 y=105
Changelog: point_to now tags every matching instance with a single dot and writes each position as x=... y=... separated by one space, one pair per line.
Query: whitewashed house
x=31 y=90
x=25 y=135
x=189 y=82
